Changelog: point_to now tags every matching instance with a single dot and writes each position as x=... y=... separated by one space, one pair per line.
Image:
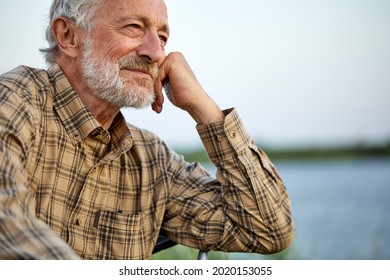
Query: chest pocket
x=120 y=236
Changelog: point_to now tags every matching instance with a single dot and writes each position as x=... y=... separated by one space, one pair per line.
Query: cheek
x=110 y=46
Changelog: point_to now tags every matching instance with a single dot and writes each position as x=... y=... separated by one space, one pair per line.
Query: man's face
x=122 y=54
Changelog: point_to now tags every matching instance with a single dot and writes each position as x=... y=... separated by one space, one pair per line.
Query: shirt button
x=93 y=171
x=219 y=138
x=233 y=134
x=79 y=222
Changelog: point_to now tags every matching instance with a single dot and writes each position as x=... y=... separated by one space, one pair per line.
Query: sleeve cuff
x=226 y=138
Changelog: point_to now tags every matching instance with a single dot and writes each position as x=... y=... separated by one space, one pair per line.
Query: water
x=341 y=208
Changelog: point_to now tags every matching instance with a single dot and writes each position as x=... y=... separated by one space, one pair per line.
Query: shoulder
x=25 y=85
x=23 y=77
x=23 y=94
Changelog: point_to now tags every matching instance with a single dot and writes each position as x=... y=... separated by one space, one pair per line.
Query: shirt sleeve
x=22 y=235
x=246 y=208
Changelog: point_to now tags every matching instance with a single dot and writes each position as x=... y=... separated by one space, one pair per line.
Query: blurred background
x=311 y=81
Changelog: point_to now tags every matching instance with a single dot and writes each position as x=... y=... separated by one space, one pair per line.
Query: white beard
x=103 y=77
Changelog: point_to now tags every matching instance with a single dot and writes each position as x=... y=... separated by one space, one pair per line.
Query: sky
x=299 y=73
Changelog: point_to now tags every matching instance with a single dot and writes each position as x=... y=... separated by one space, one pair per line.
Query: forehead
x=154 y=11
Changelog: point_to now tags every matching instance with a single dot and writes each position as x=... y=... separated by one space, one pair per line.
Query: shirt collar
x=75 y=116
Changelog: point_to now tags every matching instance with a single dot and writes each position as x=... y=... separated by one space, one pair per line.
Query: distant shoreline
x=310 y=153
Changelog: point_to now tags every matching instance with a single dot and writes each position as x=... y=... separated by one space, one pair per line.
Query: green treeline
x=309 y=153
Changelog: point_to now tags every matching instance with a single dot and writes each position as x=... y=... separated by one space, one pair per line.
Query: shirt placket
x=93 y=196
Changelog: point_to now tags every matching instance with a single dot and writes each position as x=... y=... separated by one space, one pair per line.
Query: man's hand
x=184 y=91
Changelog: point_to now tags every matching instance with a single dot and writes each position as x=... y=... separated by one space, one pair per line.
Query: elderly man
x=77 y=181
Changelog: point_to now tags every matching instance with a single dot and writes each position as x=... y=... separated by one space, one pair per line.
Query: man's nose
x=151 y=47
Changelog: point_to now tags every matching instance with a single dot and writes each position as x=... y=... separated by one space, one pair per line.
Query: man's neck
x=102 y=111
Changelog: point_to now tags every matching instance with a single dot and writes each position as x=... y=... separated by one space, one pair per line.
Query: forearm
x=206 y=112
x=22 y=235
x=30 y=239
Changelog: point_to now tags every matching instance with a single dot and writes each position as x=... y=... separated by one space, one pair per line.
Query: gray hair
x=81 y=12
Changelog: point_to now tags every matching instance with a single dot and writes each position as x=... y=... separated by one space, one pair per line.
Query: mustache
x=139 y=64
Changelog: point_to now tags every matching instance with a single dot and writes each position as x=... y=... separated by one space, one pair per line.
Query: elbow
x=288 y=238
x=279 y=239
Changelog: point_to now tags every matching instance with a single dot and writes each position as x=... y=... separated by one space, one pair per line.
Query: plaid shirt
x=70 y=189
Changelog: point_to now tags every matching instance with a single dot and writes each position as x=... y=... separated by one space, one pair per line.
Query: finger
x=157 y=105
x=159 y=97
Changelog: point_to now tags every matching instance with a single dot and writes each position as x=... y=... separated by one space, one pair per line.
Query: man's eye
x=163 y=39
x=133 y=30
x=134 y=26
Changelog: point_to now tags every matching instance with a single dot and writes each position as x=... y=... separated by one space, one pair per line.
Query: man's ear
x=66 y=35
